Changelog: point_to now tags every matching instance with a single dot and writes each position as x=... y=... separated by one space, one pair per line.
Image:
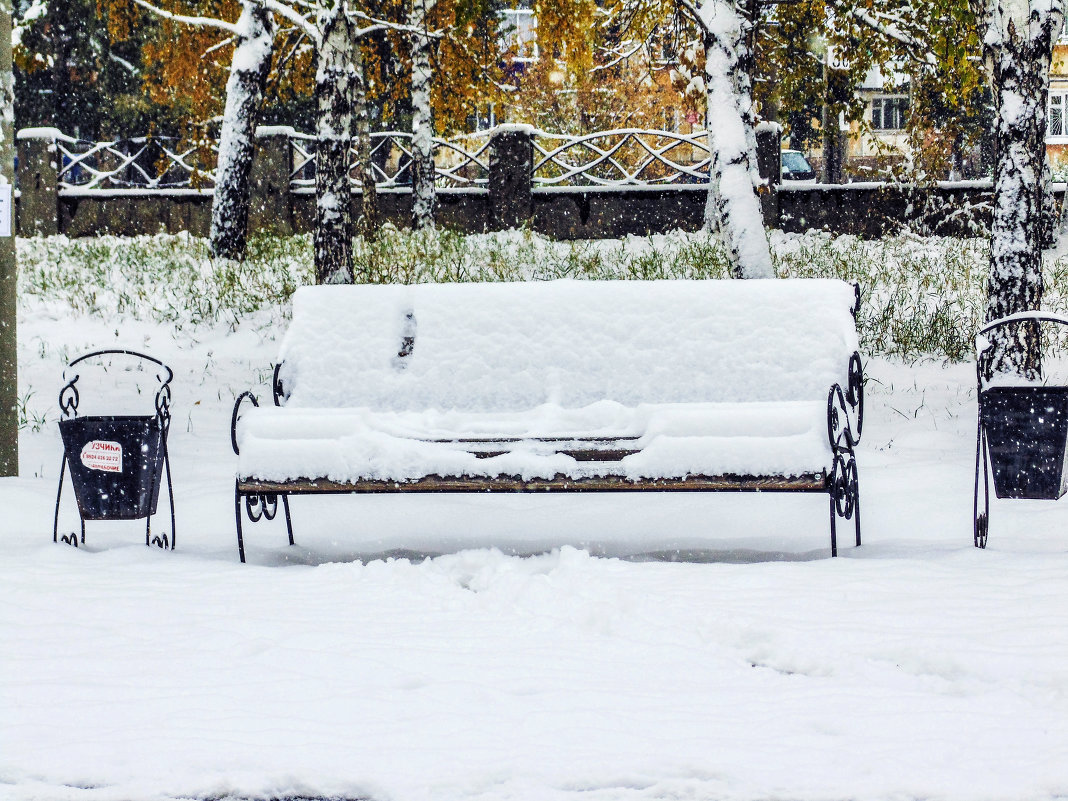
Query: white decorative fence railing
x=141 y=163
x=623 y=157
x=463 y=161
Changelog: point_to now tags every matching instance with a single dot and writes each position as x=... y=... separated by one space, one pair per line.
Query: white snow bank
x=913 y=667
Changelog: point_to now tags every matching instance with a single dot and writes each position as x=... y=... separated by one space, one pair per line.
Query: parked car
x=795 y=167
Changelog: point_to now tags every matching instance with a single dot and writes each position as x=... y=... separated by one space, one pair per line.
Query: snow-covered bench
x=559 y=386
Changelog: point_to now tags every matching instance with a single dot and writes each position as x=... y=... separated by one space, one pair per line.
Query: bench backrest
x=509 y=347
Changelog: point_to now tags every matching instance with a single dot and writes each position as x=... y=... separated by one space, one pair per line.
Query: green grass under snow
x=921 y=297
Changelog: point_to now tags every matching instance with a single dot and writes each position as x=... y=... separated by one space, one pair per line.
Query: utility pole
x=9 y=422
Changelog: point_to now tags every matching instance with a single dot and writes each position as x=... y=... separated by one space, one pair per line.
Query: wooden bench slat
x=491 y=440
x=579 y=455
x=807 y=483
x=581 y=449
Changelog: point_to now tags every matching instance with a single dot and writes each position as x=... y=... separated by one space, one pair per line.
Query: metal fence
x=624 y=157
x=463 y=161
x=139 y=163
x=603 y=184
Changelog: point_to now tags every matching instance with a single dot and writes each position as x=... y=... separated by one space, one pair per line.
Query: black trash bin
x=1026 y=432
x=117 y=462
x=1022 y=432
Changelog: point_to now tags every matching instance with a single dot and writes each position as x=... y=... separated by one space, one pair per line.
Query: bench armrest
x=237 y=416
x=278 y=390
x=845 y=409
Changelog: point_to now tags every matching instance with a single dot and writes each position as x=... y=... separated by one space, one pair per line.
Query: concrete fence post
x=38 y=181
x=769 y=165
x=269 y=206
x=511 y=176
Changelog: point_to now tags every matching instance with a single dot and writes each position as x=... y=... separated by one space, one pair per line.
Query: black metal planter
x=1022 y=435
x=117 y=462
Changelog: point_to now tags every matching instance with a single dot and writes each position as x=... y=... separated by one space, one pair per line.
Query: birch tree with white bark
x=1019 y=38
x=334 y=28
x=253 y=34
x=733 y=208
x=424 y=194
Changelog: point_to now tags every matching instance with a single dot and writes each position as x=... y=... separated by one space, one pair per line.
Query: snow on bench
x=559 y=386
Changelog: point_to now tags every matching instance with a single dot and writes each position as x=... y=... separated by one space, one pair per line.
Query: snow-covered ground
x=757 y=668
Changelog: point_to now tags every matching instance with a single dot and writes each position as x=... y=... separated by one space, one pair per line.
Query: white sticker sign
x=5 y=210
x=102 y=454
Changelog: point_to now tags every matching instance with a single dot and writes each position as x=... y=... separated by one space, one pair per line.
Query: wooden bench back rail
x=362 y=358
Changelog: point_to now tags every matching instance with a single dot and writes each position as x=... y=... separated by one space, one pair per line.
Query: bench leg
x=259 y=507
x=164 y=541
x=237 y=519
x=844 y=490
x=289 y=519
x=834 y=528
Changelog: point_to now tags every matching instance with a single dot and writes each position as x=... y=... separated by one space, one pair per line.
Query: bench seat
x=671 y=441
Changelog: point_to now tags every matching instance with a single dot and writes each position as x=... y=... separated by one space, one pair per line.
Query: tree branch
x=199 y=22
x=124 y=63
x=620 y=57
x=914 y=46
x=693 y=11
x=382 y=25
x=219 y=45
x=290 y=14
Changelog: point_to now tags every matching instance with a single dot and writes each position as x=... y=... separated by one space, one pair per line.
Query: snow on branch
x=300 y=21
x=619 y=57
x=382 y=25
x=916 y=48
x=124 y=64
x=200 y=22
x=229 y=40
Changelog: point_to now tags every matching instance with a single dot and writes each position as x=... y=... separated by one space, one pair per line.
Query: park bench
x=561 y=386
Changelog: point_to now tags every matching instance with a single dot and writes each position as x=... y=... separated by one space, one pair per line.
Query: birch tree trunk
x=733 y=207
x=244 y=94
x=423 y=190
x=334 y=83
x=1019 y=44
x=367 y=223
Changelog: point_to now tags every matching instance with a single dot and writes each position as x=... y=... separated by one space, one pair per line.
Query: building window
x=888 y=113
x=519 y=30
x=1055 y=122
